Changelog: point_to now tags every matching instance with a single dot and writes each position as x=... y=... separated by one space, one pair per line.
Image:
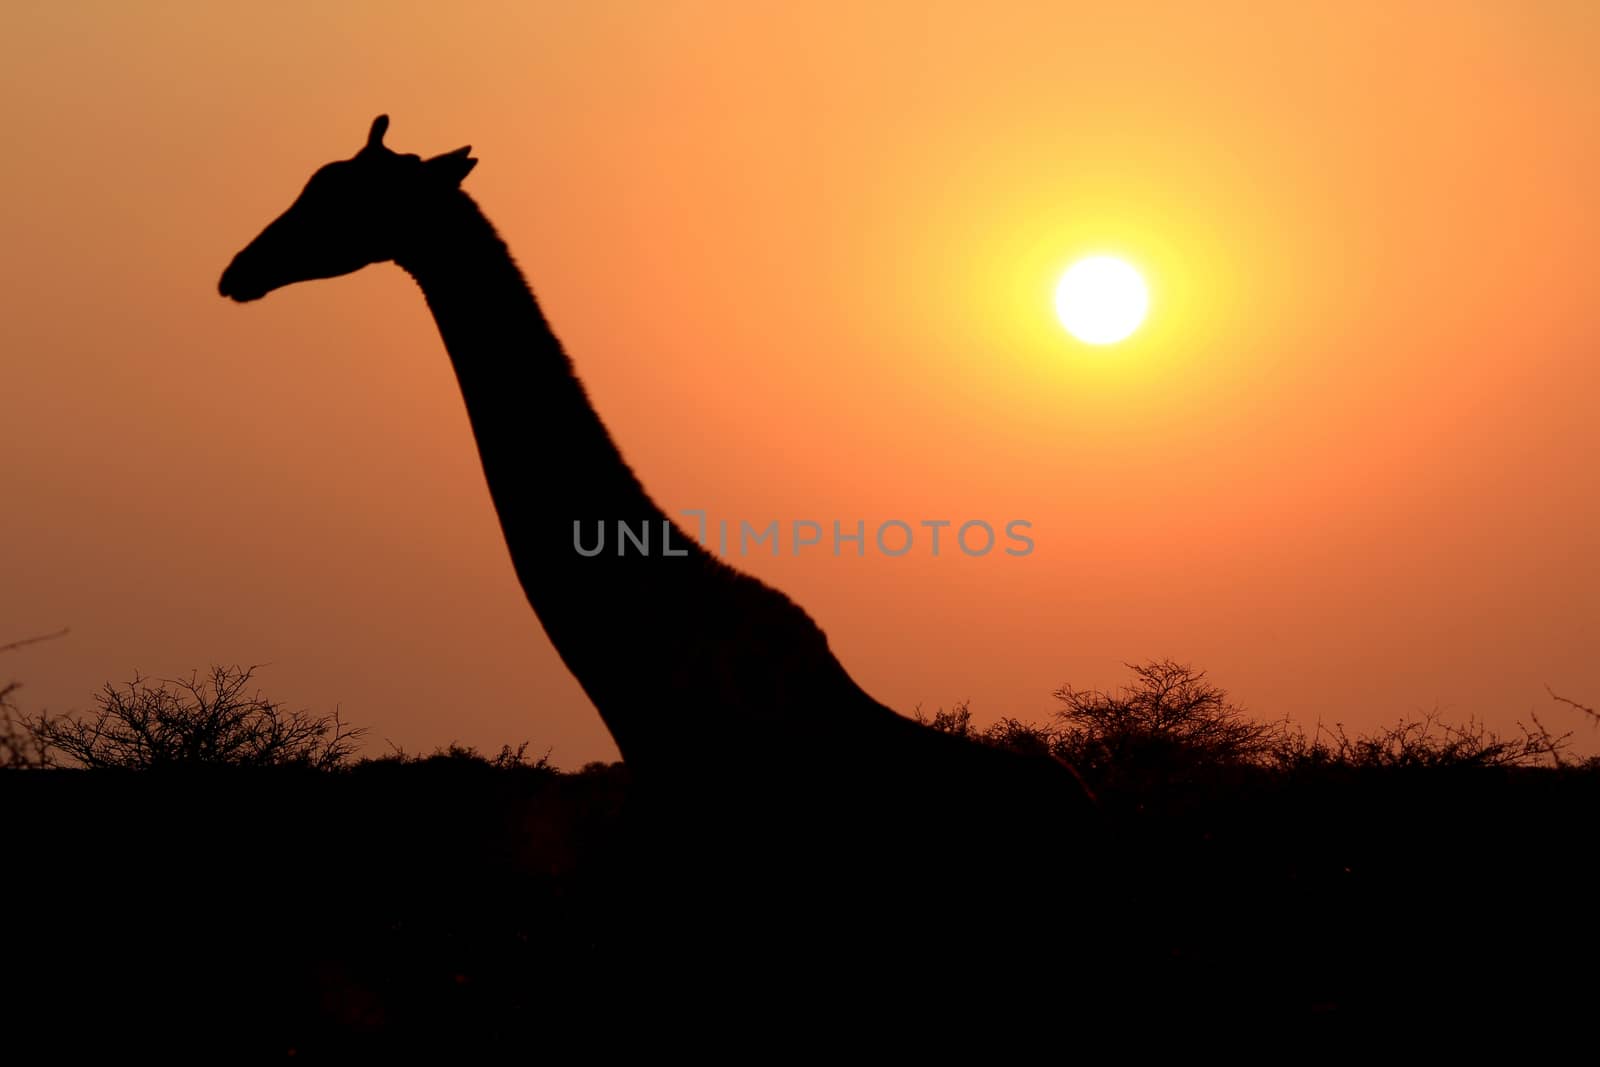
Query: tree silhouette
x=1169 y=714
x=205 y=719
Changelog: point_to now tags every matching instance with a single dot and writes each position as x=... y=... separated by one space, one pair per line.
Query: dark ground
x=446 y=904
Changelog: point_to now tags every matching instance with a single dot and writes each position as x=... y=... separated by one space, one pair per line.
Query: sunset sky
x=804 y=259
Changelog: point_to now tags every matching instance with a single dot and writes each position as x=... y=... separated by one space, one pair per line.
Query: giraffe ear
x=380 y=126
x=452 y=167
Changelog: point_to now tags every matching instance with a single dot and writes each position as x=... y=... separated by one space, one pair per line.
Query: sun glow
x=1101 y=300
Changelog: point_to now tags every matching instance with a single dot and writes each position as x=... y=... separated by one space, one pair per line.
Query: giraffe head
x=351 y=213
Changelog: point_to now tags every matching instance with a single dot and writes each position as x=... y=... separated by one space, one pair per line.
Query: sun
x=1101 y=300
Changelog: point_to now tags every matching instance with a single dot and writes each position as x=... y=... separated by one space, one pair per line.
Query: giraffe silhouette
x=721 y=693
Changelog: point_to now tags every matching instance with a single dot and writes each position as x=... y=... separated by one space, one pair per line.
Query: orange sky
x=804 y=262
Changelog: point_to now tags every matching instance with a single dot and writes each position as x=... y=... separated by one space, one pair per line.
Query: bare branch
x=1593 y=715
x=35 y=640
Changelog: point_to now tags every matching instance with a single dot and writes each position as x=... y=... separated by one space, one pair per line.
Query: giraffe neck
x=676 y=651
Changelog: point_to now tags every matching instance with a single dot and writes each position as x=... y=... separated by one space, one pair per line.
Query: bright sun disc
x=1101 y=300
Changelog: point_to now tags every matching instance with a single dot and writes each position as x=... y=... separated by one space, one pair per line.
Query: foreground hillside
x=191 y=869
x=287 y=912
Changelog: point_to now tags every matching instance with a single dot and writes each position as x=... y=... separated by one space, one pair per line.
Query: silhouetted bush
x=1011 y=734
x=1425 y=742
x=16 y=744
x=507 y=759
x=957 y=721
x=201 y=720
x=1170 y=721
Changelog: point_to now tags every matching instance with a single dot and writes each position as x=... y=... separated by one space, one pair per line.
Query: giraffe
x=700 y=672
